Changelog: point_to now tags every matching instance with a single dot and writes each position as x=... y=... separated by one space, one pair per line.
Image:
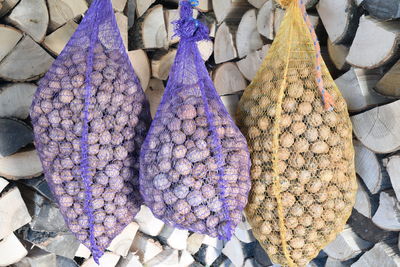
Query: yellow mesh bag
x=303 y=177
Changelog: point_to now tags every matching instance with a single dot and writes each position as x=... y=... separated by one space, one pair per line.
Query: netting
x=90 y=118
x=195 y=165
x=303 y=177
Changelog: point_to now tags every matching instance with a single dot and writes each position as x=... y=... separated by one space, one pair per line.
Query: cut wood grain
x=265 y=20
x=368 y=167
x=338 y=54
x=363 y=201
x=258 y=3
x=249 y=65
x=21 y=165
x=31 y=16
x=378 y=128
x=389 y=85
x=357 y=85
x=10 y=37
x=7 y=5
x=16 y=99
x=347 y=245
x=231 y=103
x=150 y=32
x=161 y=63
x=381 y=254
x=382 y=9
x=14 y=135
x=27 y=61
x=387 y=217
x=142 y=6
x=141 y=64
x=375 y=43
x=61 y=11
x=247 y=37
x=119 y=5
x=154 y=94
x=340 y=19
x=224 y=44
x=122 y=22
x=229 y=9
x=11 y=250
x=393 y=168
x=56 y=41
x=206 y=49
x=228 y=79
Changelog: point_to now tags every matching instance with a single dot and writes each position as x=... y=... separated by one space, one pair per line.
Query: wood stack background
x=360 y=43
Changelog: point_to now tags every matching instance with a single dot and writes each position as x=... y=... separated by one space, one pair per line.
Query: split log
x=347 y=245
x=21 y=165
x=119 y=5
x=122 y=243
x=7 y=5
x=108 y=259
x=368 y=167
x=389 y=84
x=174 y=238
x=186 y=259
x=131 y=260
x=11 y=250
x=57 y=40
x=168 y=257
x=382 y=9
x=280 y=13
x=245 y=236
x=228 y=79
x=149 y=32
x=363 y=201
x=258 y=3
x=375 y=43
x=154 y=94
x=340 y=18
x=14 y=135
x=122 y=22
x=247 y=37
x=3 y=184
x=194 y=243
x=234 y=251
x=381 y=254
x=231 y=103
x=387 y=217
x=16 y=99
x=250 y=65
x=10 y=37
x=229 y=9
x=83 y=252
x=357 y=85
x=265 y=20
x=142 y=6
x=27 y=61
x=161 y=63
x=31 y=16
x=393 y=168
x=145 y=247
x=148 y=224
x=206 y=48
x=131 y=12
x=378 y=128
x=338 y=54
x=61 y=11
x=224 y=44
x=141 y=65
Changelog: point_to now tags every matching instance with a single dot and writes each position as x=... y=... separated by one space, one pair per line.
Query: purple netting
x=90 y=118
x=194 y=168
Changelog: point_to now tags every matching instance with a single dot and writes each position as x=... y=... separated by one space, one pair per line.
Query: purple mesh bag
x=90 y=118
x=194 y=163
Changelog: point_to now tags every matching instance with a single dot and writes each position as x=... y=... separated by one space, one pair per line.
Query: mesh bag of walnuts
x=90 y=118
x=300 y=140
x=195 y=165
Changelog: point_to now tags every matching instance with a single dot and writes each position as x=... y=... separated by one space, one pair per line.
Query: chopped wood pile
x=360 y=44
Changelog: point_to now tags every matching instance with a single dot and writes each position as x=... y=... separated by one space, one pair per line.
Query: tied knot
x=188 y=28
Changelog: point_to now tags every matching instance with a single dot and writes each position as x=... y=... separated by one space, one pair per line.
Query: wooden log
x=174 y=238
x=389 y=84
x=249 y=65
x=363 y=201
x=61 y=11
x=145 y=247
x=122 y=243
x=21 y=165
x=161 y=63
x=119 y=5
x=382 y=254
x=378 y=128
x=27 y=61
x=338 y=54
x=109 y=259
x=258 y=3
x=11 y=250
x=357 y=85
x=148 y=224
x=154 y=94
x=393 y=168
x=6 y=6
x=172 y=15
x=16 y=99
x=347 y=245
x=234 y=251
x=10 y=37
x=340 y=18
x=224 y=44
x=372 y=35
x=141 y=64
x=382 y=9
x=31 y=16
x=206 y=49
x=14 y=135
x=122 y=22
x=387 y=217
x=142 y=6
x=56 y=41
x=265 y=20
x=229 y=9
x=280 y=13
x=247 y=37
x=231 y=103
x=149 y=32
x=228 y=79
x=3 y=184
x=203 y=5
x=168 y=257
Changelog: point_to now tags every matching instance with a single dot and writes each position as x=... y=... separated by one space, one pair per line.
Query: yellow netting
x=303 y=177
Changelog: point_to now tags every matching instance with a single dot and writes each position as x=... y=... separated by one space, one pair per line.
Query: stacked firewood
x=360 y=43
